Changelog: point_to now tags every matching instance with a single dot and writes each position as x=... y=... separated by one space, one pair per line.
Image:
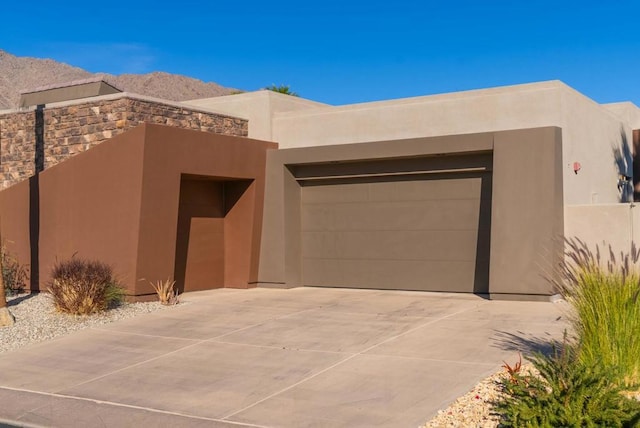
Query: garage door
x=428 y=230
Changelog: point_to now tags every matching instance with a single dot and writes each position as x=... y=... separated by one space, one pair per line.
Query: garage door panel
x=416 y=275
x=405 y=245
x=425 y=190
x=325 y=272
x=332 y=194
x=318 y=217
x=319 y=244
x=394 y=275
x=451 y=214
x=419 y=234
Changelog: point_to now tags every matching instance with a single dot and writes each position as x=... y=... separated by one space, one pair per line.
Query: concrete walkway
x=305 y=357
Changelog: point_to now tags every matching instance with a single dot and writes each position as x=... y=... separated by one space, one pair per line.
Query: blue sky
x=342 y=52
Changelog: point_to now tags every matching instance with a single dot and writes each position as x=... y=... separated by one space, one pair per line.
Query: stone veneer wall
x=72 y=129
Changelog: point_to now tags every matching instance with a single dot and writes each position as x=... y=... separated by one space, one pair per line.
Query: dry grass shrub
x=14 y=274
x=83 y=287
x=167 y=294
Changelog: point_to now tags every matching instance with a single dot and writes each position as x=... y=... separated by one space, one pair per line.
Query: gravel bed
x=472 y=410
x=37 y=319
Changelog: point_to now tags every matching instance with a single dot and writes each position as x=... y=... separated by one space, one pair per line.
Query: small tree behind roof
x=282 y=89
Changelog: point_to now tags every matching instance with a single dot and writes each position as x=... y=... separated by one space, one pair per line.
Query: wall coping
x=118 y=96
x=77 y=82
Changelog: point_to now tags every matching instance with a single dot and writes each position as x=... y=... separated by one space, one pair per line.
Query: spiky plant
x=167 y=294
x=564 y=393
x=605 y=297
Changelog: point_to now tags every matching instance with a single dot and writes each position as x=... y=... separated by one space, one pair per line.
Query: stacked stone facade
x=71 y=129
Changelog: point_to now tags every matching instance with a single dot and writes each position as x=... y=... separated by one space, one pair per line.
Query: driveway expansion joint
x=113 y=403
x=339 y=363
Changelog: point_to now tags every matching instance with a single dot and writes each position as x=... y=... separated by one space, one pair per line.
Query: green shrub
x=605 y=298
x=587 y=383
x=84 y=287
x=14 y=274
x=566 y=393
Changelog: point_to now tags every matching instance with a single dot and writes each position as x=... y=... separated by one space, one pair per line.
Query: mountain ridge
x=20 y=74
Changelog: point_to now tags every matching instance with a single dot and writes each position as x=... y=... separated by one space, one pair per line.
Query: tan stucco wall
x=627 y=111
x=448 y=114
x=617 y=225
x=257 y=107
x=590 y=132
x=591 y=136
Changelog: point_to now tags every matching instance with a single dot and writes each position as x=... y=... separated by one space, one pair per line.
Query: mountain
x=18 y=74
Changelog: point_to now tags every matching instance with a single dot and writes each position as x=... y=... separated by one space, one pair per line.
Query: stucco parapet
x=262 y=94
x=626 y=111
x=118 y=96
x=553 y=85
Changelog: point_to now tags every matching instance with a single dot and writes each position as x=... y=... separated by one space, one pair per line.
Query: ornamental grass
x=83 y=287
x=604 y=293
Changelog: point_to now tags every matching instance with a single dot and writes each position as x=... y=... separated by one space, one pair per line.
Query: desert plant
x=515 y=370
x=6 y=317
x=167 y=294
x=84 y=287
x=605 y=297
x=14 y=274
x=564 y=393
x=282 y=89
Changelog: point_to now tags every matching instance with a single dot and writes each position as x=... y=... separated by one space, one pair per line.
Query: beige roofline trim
x=79 y=82
x=121 y=95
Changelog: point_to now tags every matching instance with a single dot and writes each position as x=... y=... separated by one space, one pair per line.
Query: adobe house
x=466 y=192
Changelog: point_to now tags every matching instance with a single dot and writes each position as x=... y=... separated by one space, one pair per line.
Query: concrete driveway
x=305 y=357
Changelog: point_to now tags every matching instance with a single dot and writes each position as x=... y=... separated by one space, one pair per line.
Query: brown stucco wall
x=119 y=203
x=73 y=128
x=170 y=152
x=88 y=205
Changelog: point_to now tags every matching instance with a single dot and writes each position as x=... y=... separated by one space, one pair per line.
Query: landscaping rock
x=6 y=318
x=36 y=319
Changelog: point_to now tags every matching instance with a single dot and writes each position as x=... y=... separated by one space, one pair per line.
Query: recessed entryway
x=205 y=226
